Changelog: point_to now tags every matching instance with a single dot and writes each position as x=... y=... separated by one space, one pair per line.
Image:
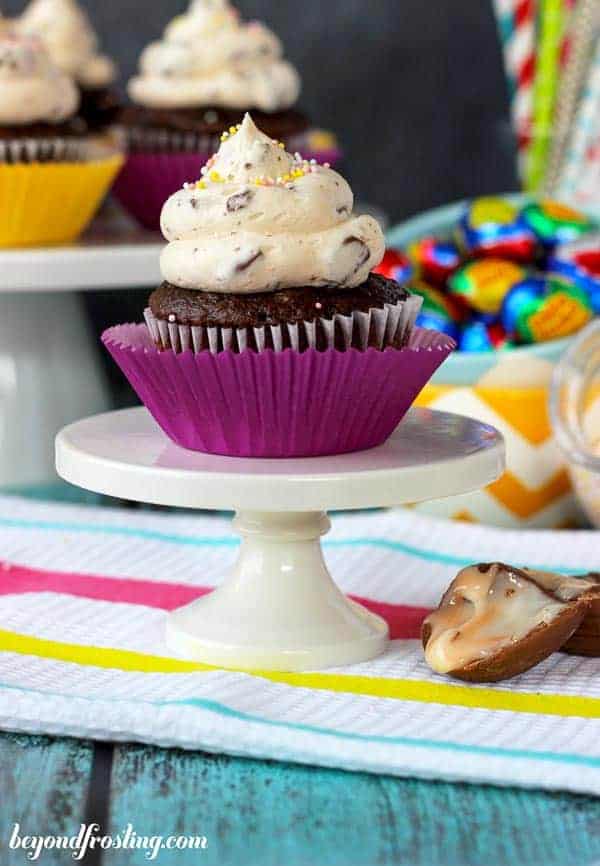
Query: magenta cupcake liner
x=277 y=404
x=148 y=179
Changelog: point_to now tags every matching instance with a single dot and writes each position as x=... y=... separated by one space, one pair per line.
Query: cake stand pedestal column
x=279 y=605
x=50 y=365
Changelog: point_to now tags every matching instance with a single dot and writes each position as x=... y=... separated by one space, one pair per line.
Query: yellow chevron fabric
x=536 y=478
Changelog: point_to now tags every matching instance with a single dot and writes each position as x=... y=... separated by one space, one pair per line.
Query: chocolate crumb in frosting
x=239 y=200
x=241 y=266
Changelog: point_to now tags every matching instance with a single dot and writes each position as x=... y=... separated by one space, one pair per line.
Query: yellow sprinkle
x=200 y=184
x=233 y=130
x=281 y=144
x=215 y=176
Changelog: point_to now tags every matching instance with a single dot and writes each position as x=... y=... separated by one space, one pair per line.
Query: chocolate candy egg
x=436 y=312
x=555 y=223
x=434 y=260
x=483 y=337
x=578 y=263
x=539 y=309
x=493 y=227
x=485 y=283
x=395 y=265
x=438 y=322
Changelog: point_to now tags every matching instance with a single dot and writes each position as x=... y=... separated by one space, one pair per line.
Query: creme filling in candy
x=490 y=606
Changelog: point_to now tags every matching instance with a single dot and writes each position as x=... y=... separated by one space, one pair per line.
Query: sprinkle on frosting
x=261 y=219
x=33 y=89
x=71 y=42
x=209 y=57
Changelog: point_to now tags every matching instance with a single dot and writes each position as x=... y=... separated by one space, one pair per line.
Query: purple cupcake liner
x=148 y=179
x=277 y=404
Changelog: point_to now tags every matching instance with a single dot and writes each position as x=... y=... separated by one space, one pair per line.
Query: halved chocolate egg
x=496 y=621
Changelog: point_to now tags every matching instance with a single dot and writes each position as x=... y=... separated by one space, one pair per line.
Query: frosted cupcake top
x=261 y=219
x=68 y=35
x=208 y=57
x=33 y=89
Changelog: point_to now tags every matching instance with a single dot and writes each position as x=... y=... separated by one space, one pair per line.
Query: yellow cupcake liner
x=53 y=202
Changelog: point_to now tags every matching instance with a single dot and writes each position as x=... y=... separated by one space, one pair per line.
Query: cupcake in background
x=73 y=46
x=52 y=175
x=270 y=336
x=194 y=85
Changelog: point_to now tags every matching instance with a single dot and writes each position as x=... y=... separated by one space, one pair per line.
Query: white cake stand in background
x=49 y=361
x=279 y=608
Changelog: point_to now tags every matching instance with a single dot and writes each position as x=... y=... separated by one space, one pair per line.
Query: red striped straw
x=517 y=26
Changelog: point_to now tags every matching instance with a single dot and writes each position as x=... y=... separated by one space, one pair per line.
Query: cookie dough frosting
x=262 y=220
x=33 y=89
x=70 y=40
x=208 y=57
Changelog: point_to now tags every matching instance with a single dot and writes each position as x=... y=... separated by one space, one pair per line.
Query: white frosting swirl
x=68 y=35
x=33 y=89
x=263 y=220
x=208 y=57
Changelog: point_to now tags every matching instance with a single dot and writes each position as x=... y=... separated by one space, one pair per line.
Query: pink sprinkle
x=326 y=165
x=319 y=306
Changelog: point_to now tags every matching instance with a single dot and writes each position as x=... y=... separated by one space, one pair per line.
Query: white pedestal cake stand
x=279 y=608
x=49 y=366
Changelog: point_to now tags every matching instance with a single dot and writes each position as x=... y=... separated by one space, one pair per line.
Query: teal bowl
x=465 y=368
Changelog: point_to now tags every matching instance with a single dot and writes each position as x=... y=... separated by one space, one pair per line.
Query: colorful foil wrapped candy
x=511 y=279
x=578 y=263
x=484 y=283
x=437 y=311
x=543 y=308
x=396 y=265
x=494 y=227
x=434 y=260
x=555 y=223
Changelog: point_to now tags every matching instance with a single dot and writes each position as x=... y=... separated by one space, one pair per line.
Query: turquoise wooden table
x=260 y=813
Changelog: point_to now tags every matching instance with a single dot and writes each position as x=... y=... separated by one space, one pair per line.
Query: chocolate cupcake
x=73 y=46
x=53 y=175
x=270 y=336
x=194 y=85
x=265 y=247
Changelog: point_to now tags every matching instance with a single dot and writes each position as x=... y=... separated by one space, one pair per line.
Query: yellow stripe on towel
x=379 y=687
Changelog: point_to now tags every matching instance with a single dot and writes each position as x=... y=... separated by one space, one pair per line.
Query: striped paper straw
x=516 y=24
x=551 y=21
x=583 y=31
x=583 y=154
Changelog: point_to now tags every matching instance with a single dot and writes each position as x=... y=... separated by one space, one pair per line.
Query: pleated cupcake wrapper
x=51 y=202
x=378 y=328
x=149 y=178
x=56 y=149
x=277 y=404
x=142 y=139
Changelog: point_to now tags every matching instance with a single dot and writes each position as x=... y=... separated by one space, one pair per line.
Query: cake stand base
x=279 y=609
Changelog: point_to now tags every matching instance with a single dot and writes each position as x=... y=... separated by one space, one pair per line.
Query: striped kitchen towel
x=84 y=593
